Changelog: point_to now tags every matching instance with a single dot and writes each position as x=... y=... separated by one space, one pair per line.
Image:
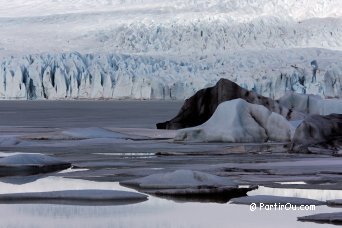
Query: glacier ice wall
x=167 y=49
x=119 y=76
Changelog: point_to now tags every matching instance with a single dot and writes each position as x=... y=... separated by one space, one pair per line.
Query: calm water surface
x=155 y=212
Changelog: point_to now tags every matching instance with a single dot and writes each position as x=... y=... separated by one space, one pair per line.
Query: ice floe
x=88 y=196
x=333 y=218
x=27 y=164
x=180 y=179
x=334 y=202
x=239 y=121
x=279 y=200
x=190 y=185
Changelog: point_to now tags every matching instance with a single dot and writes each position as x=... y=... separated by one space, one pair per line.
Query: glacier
x=158 y=49
x=120 y=76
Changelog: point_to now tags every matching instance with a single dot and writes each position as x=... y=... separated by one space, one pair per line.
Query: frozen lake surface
x=112 y=141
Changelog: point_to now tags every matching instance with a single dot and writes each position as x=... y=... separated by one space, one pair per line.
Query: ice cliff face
x=71 y=76
x=76 y=76
x=158 y=49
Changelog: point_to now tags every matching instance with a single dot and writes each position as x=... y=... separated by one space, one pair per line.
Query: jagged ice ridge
x=158 y=49
x=76 y=76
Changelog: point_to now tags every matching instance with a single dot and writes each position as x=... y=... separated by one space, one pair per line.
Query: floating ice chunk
x=333 y=218
x=318 y=130
x=89 y=196
x=26 y=164
x=181 y=179
x=279 y=200
x=9 y=140
x=29 y=159
x=335 y=202
x=189 y=184
x=201 y=106
x=20 y=180
x=239 y=121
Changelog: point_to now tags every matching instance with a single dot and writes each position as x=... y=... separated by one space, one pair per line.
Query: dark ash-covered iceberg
x=318 y=130
x=201 y=106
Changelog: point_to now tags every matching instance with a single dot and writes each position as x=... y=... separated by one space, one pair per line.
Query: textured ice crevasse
x=72 y=76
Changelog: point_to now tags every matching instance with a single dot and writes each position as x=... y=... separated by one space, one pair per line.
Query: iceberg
x=239 y=121
x=318 y=131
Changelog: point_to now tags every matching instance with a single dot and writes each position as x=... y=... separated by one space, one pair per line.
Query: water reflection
x=219 y=197
x=153 y=213
x=156 y=212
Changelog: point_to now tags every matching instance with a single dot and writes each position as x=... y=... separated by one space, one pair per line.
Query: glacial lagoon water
x=153 y=213
x=156 y=212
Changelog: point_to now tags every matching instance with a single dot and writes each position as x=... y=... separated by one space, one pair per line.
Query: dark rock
x=318 y=130
x=201 y=106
